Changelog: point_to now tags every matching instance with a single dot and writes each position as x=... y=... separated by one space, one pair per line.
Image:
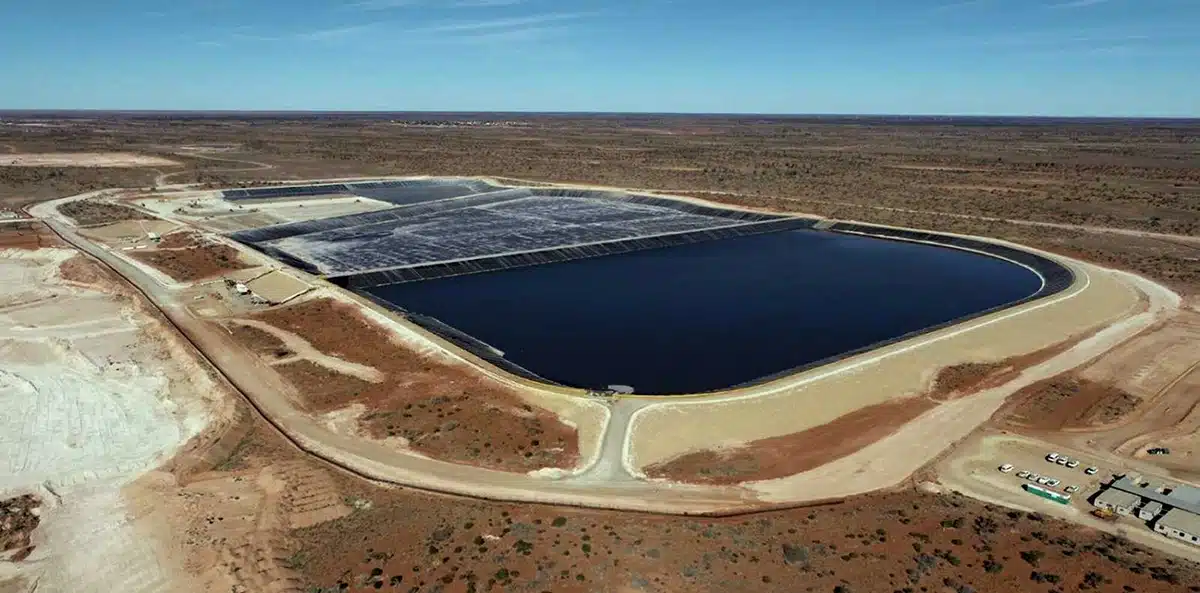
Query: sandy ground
x=83 y=159
x=209 y=210
x=96 y=396
x=667 y=430
x=893 y=459
x=1159 y=369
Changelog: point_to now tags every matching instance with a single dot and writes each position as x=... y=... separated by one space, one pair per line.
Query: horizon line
x=54 y=111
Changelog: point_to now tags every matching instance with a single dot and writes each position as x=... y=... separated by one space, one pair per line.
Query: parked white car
x=1071 y=489
x=1091 y=471
x=1006 y=468
x=1062 y=460
x=1053 y=482
x=1072 y=464
x=1043 y=480
x=1023 y=474
x=1051 y=457
x=1032 y=477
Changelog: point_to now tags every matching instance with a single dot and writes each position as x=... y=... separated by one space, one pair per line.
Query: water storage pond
x=718 y=314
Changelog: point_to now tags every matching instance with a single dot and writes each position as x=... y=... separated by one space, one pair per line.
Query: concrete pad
x=278 y=287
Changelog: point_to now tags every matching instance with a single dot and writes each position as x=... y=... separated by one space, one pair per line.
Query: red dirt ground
x=444 y=410
x=82 y=270
x=791 y=454
x=902 y=542
x=197 y=263
x=1068 y=401
x=27 y=235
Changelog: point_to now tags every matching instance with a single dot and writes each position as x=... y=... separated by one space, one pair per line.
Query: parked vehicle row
x=1071 y=463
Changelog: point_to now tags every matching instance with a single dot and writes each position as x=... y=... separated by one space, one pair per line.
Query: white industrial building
x=1181 y=503
x=1181 y=525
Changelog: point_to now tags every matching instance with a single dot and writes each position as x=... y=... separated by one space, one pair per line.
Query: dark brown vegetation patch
x=904 y=542
x=197 y=263
x=965 y=377
x=1069 y=401
x=262 y=343
x=90 y=212
x=791 y=454
x=177 y=240
x=18 y=519
x=444 y=410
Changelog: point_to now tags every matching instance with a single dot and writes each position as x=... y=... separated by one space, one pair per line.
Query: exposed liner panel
x=416 y=191
x=292 y=229
x=267 y=193
x=560 y=254
x=677 y=205
x=399 y=191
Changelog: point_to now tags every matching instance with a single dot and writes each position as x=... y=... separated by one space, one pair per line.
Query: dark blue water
x=714 y=315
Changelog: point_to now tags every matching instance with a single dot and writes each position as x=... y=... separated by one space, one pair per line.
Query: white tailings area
x=91 y=400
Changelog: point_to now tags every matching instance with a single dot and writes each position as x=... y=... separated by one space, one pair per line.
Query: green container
x=1047 y=494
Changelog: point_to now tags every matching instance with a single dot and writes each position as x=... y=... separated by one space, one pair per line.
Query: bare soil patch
x=81 y=270
x=905 y=541
x=27 y=235
x=83 y=159
x=443 y=410
x=791 y=454
x=91 y=212
x=18 y=518
x=1069 y=401
x=196 y=263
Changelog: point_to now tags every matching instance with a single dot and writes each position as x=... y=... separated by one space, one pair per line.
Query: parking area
x=1014 y=464
x=1007 y=469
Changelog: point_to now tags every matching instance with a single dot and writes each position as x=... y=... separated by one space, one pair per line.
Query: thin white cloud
x=964 y=4
x=389 y=4
x=469 y=3
x=1078 y=3
x=332 y=33
x=505 y=37
x=504 y=23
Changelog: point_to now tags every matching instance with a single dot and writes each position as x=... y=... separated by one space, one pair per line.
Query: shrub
x=1032 y=556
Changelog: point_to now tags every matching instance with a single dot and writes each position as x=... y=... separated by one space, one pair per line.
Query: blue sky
x=1018 y=57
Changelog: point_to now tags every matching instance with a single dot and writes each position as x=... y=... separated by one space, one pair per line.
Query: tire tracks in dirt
x=162 y=178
